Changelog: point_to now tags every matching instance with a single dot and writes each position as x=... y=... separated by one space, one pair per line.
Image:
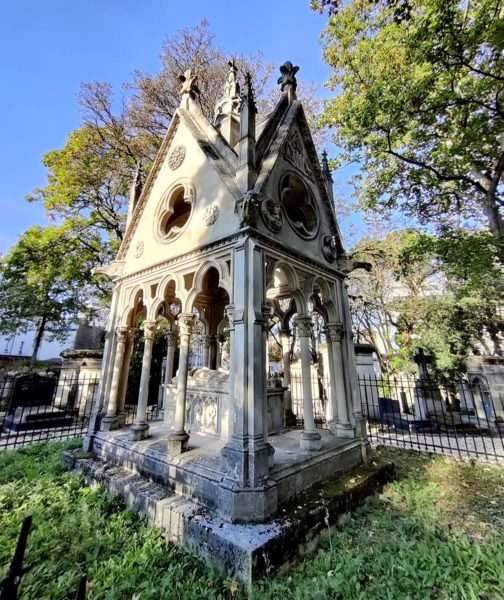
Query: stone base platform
x=246 y=552
x=197 y=474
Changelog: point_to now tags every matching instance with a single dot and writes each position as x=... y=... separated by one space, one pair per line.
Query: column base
x=139 y=431
x=343 y=429
x=247 y=462
x=109 y=423
x=178 y=443
x=121 y=416
x=310 y=440
x=247 y=505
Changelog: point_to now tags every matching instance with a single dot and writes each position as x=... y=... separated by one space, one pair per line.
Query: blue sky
x=47 y=49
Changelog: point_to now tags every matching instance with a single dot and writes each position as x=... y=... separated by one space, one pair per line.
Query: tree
x=420 y=105
x=439 y=292
x=43 y=285
x=89 y=180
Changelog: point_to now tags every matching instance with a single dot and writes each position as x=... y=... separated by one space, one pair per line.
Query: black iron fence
x=458 y=419
x=36 y=408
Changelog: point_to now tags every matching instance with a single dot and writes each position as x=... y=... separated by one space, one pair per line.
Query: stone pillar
x=290 y=417
x=309 y=438
x=121 y=399
x=111 y=421
x=221 y=340
x=171 y=341
x=207 y=358
x=342 y=427
x=179 y=438
x=332 y=405
x=247 y=493
x=140 y=428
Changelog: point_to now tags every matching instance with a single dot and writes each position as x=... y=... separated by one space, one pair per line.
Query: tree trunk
x=38 y=340
x=495 y=223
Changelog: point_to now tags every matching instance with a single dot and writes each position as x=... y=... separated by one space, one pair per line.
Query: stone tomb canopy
x=233 y=240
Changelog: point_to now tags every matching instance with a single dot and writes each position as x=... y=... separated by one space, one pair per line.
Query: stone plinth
x=245 y=552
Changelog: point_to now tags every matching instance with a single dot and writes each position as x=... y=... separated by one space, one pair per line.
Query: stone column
x=221 y=340
x=207 y=358
x=290 y=417
x=121 y=399
x=331 y=408
x=342 y=427
x=179 y=438
x=309 y=438
x=140 y=428
x=110 y=421
x=247 y=493
x=171 y=341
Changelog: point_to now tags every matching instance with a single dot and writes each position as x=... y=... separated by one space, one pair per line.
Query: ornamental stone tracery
x=176 y=157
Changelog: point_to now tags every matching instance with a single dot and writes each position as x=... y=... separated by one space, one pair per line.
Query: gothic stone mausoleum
x=233 y=230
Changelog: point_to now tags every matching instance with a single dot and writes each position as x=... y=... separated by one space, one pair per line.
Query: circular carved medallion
x=211 y=215
x=176 y=157
x=139 y=249
x=271 y=212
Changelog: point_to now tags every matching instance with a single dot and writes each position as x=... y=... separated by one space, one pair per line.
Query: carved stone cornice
x=304 y=326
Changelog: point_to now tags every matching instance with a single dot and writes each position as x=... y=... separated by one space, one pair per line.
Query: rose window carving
x=299 y=205
x=176 y=157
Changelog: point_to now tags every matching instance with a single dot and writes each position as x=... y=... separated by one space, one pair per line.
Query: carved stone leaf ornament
x=139 y=249
x=293 y=152
x=211 y=215
x=176 y=157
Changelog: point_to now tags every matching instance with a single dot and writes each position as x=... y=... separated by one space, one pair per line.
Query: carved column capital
x=334 y=331
x=122 y=334
x=171 y=337
x=186 y=323
x=304 y=326
x=149 y=329
x=230 y=315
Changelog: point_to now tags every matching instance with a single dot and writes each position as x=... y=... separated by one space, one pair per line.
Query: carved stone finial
x=248 y=209
x=232 y=87
x=189 y=84
x=325 y=167
x=247 y=96
x=288 y=80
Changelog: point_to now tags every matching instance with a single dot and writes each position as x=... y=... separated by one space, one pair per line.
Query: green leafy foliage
x=436 y=532
x=419 y=105
x=79 y=529
x=439 y=292
x=43 y=282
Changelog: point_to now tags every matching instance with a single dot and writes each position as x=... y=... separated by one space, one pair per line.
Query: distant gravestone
x=89 y=337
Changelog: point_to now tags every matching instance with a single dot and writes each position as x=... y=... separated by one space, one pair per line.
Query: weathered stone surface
x=246 y=552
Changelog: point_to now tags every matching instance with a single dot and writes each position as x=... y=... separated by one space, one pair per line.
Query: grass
x=437 y=532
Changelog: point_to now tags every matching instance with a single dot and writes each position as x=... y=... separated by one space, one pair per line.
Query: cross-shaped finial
x=189 y=84
x=288 y=80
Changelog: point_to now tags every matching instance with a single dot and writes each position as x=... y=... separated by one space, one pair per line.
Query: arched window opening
x=176 y=217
